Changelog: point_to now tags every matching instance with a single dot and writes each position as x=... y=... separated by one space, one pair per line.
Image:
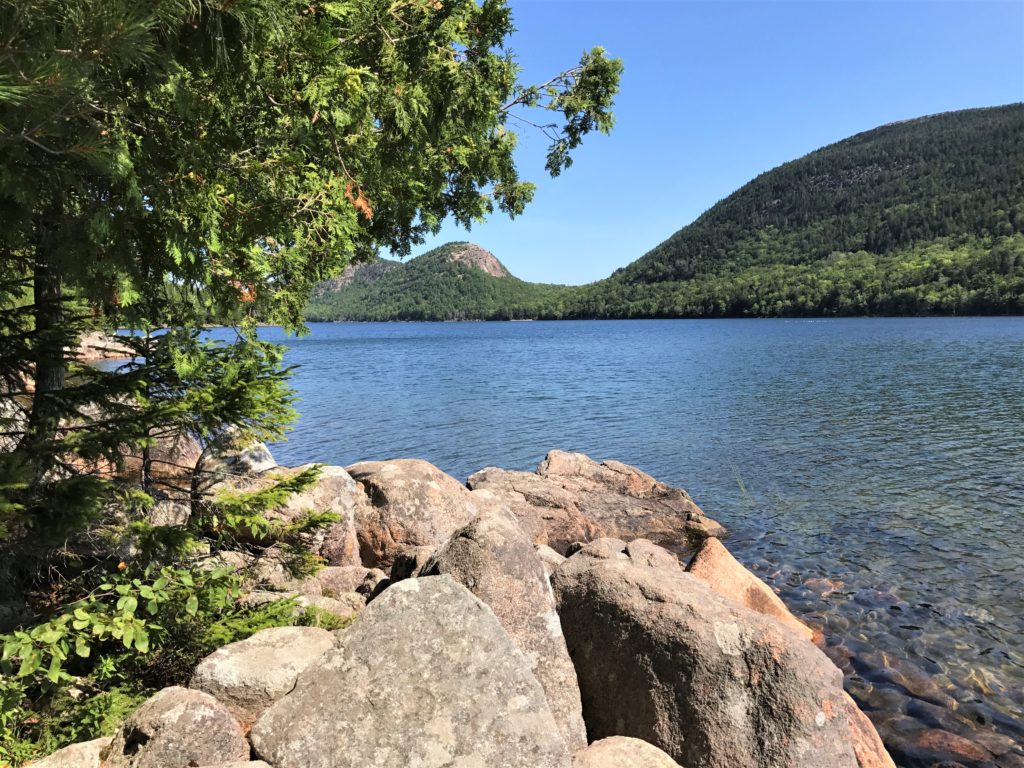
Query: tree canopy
x=173 y=164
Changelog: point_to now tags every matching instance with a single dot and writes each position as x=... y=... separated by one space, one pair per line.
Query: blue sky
x=716 y=92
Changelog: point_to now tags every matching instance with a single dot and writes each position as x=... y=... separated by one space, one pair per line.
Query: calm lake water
x=871 y=469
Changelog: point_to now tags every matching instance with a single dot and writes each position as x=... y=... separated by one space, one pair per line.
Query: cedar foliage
x=172 y=164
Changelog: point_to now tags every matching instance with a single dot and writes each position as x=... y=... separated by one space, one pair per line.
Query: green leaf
x=53 y=673
x=192 y=605
x=82 y=647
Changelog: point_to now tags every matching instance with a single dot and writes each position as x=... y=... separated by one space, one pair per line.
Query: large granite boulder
x=493 y=558
x=97 y=345
x=622 y=752
x=85 y=754
x=427 y=677
x=662 y=657
x=333 y=491
x=178 y=728
x=410 y=503
x=549 y=513
x=717 y=568
x=573 y=498
x=250 y=675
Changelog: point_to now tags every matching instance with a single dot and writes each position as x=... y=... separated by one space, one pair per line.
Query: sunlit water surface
x=871 y=469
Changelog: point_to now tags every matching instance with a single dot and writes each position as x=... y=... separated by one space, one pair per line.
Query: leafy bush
x=121 y=630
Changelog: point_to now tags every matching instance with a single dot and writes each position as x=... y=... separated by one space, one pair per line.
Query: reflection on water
x=872 y=470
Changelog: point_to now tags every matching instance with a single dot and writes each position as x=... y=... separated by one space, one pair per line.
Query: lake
x=870 y=469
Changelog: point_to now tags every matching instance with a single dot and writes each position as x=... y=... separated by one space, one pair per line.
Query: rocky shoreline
x=581 y=615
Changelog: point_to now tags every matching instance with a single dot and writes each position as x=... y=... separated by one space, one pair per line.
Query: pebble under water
x=871 y=470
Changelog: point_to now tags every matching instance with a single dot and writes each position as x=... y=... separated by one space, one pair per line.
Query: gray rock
x=622 y=752
x=178 y=728
x=548 y=511
x=663 y=658
x=409 y=503
x=167 y=512
x=628 y=502
x=86 y=754
x=493 y=558
x=239 y=764
x=250 y=675
x=428 y=678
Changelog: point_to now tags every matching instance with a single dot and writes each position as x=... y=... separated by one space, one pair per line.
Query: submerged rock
x=178 y=728
x=661 y=657
x=426 y=677
x=409 y=503
x=493 y=558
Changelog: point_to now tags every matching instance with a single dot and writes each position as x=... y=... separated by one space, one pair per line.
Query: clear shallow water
x=884 y=455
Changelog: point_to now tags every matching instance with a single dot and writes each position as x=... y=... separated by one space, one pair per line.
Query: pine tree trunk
x=50 y=339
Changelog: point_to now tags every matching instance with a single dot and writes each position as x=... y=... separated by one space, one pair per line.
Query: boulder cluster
x=524 y=620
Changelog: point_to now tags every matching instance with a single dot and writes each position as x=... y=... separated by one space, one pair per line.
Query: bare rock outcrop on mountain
x=474 y=256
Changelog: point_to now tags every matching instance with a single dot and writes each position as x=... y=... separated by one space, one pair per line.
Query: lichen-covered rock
x=427 y=677
x=250 y=675
x=622 y=752
x=661 y=657
x=629 y=503
x=548 y=511
x=337 y=579
x=717 y=568
x=178 y=728
x=168 y=512
x=86 y=754
x=239 y=764
x=410 y=503
x=572 y=498
x=493 y=558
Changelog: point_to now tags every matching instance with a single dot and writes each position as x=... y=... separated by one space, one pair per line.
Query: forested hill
x=921 y=216
x=458 y=281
